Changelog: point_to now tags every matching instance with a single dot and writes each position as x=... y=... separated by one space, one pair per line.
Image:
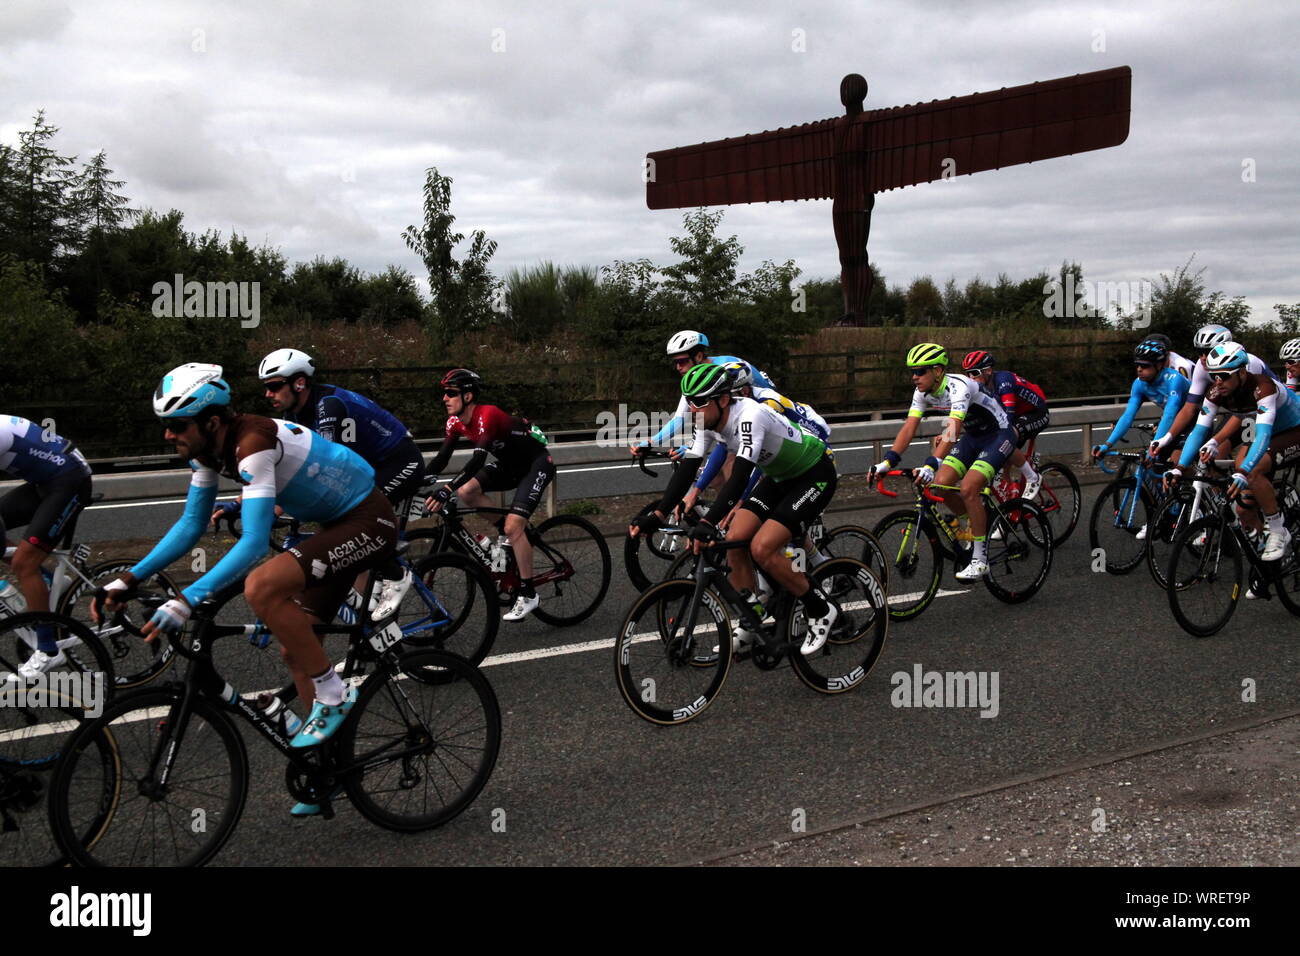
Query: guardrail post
x=1087 y=443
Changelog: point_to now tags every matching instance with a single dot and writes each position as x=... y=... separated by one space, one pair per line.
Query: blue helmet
x=1150 y=350
x=1226 y=357
x=189 y=389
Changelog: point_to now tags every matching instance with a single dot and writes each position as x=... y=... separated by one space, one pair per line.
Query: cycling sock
x=45 y=639
x=525 y=589
x=814 y=603
x=1027 y=470
x=329 y=688
x=816 y=557
x=980 y=546
x=1274 y=522
x=390 y=570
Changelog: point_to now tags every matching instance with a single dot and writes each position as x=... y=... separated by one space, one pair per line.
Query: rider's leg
x=270 y=591
x=744 y=524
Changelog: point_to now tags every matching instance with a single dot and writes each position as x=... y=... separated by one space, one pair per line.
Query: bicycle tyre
x=1060 y=499
x=1024 y=532
x=90 y=656
x=1168 y=521
x=865 y=547
x=664 y=549
x=563 y=559
x=450 y=689
x=858 y=635
x=907 y=570
x=646 y=660
x=136 y=726
x=448 y=593
x=1195 y=560
x=1121 y=548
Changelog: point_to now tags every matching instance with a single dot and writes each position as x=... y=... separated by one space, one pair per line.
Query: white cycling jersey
x=757 y=434
x=963 y=399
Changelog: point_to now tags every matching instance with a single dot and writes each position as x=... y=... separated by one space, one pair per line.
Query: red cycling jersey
x=508 y=438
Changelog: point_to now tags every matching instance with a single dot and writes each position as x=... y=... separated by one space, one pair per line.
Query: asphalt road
x=1091 y=666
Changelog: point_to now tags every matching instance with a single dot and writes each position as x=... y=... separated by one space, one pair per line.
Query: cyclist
x=522 y=463
x=277 y=463
x=1158 y=382
x=1290 y=356
x=1024 y=402
x=56 y=487
x=978 y=441
x=1276 y=440
x=1180 y=364
x=798 y=481
x=359 y=424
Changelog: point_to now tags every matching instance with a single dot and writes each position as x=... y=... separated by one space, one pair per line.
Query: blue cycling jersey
x=30 y=453
x=1168 y=391
x=352 y=420
x=1273 y=413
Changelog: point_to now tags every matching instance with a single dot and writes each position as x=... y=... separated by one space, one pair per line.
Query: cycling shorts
x=985 y=453
x=530 y=482
x=1029 y=426
x=798 y=501
x=1284 y=449
x=401 y=474
x=332 y=558
x=48 y=510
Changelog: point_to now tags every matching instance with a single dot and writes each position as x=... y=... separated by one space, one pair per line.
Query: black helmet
x=463 y=379
x=1162 y=339
x=1150 y=350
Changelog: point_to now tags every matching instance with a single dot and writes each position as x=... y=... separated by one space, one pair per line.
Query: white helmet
x=1208 y=336
x=188 y=389
x=742 y=375
x=286 y=363
x=686 y=341
x=1290 y=350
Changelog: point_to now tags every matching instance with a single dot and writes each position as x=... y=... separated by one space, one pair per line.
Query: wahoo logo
x=50 y=456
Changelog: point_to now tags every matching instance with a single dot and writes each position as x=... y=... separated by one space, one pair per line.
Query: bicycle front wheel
x=1205 y=576
x=646 y=556
x=450 y=606
x=1019 y=548
x=855 y=541
x=668 y=671
x=1168 y=522
x=135 y=663
x=177 y=783
x=1060 y=500
x=420 y=744
x=571 y=569
x=858 y=634
x=1118 y=526
x=86 y=673
x=915 y=563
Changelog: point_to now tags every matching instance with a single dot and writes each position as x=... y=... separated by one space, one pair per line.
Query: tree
x=462 y=291
x=705 y=278
x=41 y=226
x=1288 y=319
x=924 y=305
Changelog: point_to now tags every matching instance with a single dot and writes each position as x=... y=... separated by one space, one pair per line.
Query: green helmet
x=927 y=353
x=706 y=381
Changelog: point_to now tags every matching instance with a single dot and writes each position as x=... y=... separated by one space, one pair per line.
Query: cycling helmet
x=1208 y=336
x=1226 y=357
x=741 y=374
x=463 y=379
x=686 y=341
x=927 y=353
x=190 y=389
x=706 y=381
x=977 y=360
x=1150 y=350
x=1162 y=339
x=286 y=363
x=1290 y=350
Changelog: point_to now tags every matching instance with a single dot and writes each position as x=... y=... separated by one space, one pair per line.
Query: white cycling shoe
x=742 y=639
x=1032 y=487
x=524 y=606
x=390 y=596
x=974 y=571
x=1275 y=545
x=819 y=628
x=39 y=663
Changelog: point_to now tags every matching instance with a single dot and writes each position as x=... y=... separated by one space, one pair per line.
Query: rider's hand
x=638 y=450
x=676 y=453
x=168 y=619
x=1209 y=451
x=924 y=475
x=1153 y=450
x=435 y=501
x=109 y=599
x=1171 y=477
x=702 y=536
x=646 y=524
x=1238 y=485
x=1099 y=450
x=225 y=511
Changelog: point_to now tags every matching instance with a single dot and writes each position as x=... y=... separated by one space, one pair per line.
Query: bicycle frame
x=454 y=534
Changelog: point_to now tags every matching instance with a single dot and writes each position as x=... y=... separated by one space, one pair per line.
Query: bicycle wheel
x=450 y=606
x=855 y=541
x=1287 y=576
x=1060 y=500
x=857 y=636
x=421 y=744
x=1168 y=521
x=1205 y=576
x=86 y=675
x=915 y=563
x=135 y=662
x=1019 y=548
x=570 y=569
x=1118 y=525
x=667 y=675
x=183 y=821
x=646 y=556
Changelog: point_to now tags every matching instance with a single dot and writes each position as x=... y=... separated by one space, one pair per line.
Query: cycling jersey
x=1292 y=382
x=1275 y=410
x=510 y=439
x=352 y=420
x=1167 y=391
x=755 y=433
x=1020 y=397
x=277 y=462
x=29 y=453
x=1201 y=377
x=682 y=415
x=800 y=414
x=1182 y=365
x=964 y=400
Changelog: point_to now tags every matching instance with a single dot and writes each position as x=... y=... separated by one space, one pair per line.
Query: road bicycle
x=651 y=557
x=918 y=541
x=669 y=660
x=1207 y=568
x=1124 y=508
x=1182 y=505
x=416 y=749
x=1058 y=495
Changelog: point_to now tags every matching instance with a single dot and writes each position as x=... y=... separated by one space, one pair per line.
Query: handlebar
x=646 y=451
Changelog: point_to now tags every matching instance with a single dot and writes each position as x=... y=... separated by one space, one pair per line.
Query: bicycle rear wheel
x=571 y=569
x=647 y=556
x=1205 y=576
x=666 y=675
x=855 y=541
x=915 y=563
x=135 y=662
x=450 y=606
x=84 y=653
x=1060 y=500
x=1118 y=525
x=858 y=634
x=1168 y=521
x=1019 y=548
x=423 y=742
x=183 y=821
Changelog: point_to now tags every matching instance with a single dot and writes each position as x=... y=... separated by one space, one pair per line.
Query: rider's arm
x=1199 y=433
x=685 y=471
x=257 y=516
x=733 y=490
x=477 y=459
x=1164 y=434
x=1265 y=417
x=948 y=438
x=439 y=461
x=712 y=466
x=185 y=532
x=1130 y=412
x=674 y=425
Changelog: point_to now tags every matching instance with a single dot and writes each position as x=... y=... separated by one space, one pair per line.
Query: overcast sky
x=309 y=125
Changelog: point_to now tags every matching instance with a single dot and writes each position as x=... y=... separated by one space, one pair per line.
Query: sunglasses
x=276 y=386
x=975 y=372
x=1222 y=376
x=1145 y=364
x=699 y=402
x=917 y=372
x=680 y=362
x=177 y=425
x=451 y=392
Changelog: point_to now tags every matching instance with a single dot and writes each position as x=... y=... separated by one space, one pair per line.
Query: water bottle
x=484 y=543
x=13 y=597
x=274 y=708
x=754 y=604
